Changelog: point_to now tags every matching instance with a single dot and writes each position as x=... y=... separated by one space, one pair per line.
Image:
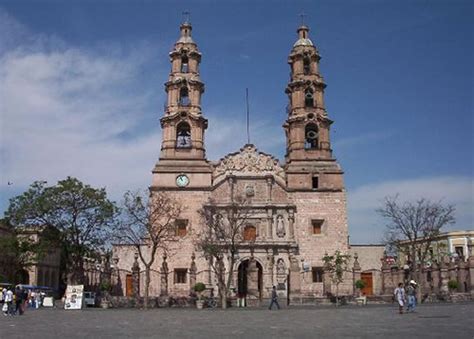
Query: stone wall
x=434 y=279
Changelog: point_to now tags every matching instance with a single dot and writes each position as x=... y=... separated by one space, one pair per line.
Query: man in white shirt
x=9 y=301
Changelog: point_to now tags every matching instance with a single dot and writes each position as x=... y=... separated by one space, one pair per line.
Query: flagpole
x=248 y=115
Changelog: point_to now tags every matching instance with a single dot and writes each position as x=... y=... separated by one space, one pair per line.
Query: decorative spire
x=186 y=16
x=186 y=29
x=303 y=36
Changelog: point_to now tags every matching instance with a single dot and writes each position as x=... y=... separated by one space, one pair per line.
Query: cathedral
x=298 y=205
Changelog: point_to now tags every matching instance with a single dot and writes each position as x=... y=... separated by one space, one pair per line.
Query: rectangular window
x=180 y=275
x=315 y=182
x=317 y=274
x=181 y=227
x=316 y=226
x=459 y=251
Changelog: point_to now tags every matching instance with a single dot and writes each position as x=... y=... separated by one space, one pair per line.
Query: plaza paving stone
x=371 y=321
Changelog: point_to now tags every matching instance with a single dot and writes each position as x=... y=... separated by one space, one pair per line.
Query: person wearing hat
x=411 y=293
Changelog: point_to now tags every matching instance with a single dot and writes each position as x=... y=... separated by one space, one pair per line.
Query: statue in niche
x=280 y=226
x=281 y=271
x=219 y=226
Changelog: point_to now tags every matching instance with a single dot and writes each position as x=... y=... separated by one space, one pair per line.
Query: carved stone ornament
x=280 y=226
x=281 y=271
x=248 y=160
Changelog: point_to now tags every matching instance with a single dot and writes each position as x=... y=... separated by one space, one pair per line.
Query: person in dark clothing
x=274 y=299
x=19 y=301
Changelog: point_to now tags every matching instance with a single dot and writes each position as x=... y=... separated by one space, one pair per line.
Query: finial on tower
x=186 y=17
x=186 y=29
x=303 y=36
x=302 y=16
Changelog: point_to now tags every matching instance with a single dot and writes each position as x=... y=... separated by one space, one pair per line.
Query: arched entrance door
x=249 y=280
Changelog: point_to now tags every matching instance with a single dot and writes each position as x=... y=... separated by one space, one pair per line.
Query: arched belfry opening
x=184 y=64
x=306 y=65
x=308 y=98
x=311 y=136
x=184 y=96
x=183 y=135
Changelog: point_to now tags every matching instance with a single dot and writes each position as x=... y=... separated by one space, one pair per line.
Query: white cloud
x=366 y=226
x=85 y=112
x=64 y=111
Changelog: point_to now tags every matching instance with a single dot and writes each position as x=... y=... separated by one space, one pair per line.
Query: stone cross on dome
x=186 y=16
x=302 y=16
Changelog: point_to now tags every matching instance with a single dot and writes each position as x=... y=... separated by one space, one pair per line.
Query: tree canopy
x=82 y=214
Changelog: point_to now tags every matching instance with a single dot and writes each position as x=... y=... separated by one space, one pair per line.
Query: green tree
x=82 y=215
x=336 y=265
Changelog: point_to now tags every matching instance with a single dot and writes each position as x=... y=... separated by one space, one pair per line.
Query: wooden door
x=367 y=279
x=129 y=285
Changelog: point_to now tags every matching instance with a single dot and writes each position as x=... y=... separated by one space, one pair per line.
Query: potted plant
x=105 y=288
x=359 y=284
x=453 y=285
x=199 y=288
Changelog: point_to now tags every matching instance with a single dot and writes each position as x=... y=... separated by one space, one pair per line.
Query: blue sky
x=81 y=92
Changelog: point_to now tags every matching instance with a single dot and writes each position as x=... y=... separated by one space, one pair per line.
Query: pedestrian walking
x=399 y=294
x=411 y=294
x=274 y=299
x=18 y=301
x=9 y=302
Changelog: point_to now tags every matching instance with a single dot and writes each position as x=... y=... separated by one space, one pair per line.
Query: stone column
x=452 y=270
x=270 y=265
x=269 y=188
x=435 y=276
x=192 y=273
x=269 y=223
x=291 y=223
x=471 y=275
x=444 y=277
x=386 y=277
x=462 y=276
x=164 y=278
x=355 y=273
x=136 y=280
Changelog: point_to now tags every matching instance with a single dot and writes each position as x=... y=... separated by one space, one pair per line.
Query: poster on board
x=74 y=297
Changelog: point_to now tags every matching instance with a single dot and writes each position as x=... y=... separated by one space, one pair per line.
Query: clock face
x=182 y=180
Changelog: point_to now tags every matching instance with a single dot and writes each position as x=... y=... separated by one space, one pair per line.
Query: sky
x=82 y=91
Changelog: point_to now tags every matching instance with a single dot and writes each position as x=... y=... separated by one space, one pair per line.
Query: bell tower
x=182 y=148
x=309 y=161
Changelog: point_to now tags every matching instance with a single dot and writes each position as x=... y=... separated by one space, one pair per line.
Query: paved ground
x=372 y=321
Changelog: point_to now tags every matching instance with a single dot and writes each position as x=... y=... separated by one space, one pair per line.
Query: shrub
x=105 y=286
x=453 y=285
x=360 y=284
x=199 y=287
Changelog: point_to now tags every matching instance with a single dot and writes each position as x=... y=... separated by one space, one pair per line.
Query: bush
x=453 y=285
x=360 y=284
x=105 y=286
x=199 y=287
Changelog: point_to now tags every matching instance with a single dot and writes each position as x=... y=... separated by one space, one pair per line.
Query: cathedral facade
x=298 y=206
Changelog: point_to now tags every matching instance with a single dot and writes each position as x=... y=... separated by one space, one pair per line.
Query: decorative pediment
x=248 y=161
